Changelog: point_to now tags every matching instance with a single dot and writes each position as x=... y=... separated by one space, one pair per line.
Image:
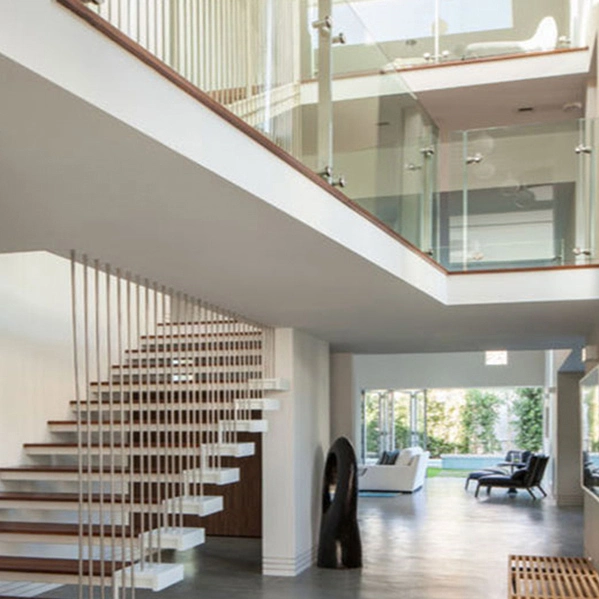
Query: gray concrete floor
x=438 y=543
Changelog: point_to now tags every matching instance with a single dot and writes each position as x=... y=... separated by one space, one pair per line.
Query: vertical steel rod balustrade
x=156 y=372
x=241 y=52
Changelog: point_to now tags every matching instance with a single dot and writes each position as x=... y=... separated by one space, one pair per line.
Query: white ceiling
x=497 y=104
x=73 y=177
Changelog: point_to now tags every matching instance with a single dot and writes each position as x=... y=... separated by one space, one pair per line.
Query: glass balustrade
x=419 y=32
x=518 y=197
x=319 y=78
x=384 y=144
x=481 y=28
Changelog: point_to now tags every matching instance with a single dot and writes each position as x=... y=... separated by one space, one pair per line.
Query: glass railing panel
x=451 y=202
x=401 y=31
x=384 y=143
x=419 y=32
x=521 y=199
x=481 y=28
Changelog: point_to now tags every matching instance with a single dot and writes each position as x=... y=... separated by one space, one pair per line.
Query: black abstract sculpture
x=339 y=544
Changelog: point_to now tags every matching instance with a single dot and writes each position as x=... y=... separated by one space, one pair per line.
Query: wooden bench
x=551 y=577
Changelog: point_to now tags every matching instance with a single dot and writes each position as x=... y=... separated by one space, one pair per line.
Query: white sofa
x=407 y=474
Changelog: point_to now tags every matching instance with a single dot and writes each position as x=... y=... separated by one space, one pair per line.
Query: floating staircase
x=132 y=463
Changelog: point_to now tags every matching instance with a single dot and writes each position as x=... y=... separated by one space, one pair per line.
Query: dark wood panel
x=242 y=514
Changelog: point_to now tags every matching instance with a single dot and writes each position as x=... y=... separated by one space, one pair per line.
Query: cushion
x=480 y=473
x=384 y=459
x=496 y=480
x=520 y=475
x=392 y=457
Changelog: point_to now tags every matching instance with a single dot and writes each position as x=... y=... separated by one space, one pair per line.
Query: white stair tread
x=223 y=449
x=259 y=404
x=197 y=506
x=180 y=539
x=222 y=476
x=241 y=426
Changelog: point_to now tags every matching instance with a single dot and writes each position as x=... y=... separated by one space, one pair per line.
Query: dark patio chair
x=527 y=478
x=509 y=459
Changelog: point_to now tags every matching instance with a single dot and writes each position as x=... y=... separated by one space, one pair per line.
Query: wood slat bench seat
x=543 y=577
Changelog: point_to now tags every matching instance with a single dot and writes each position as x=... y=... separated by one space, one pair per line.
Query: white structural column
x=345 y=399
x=293 y=454
x=566 y=482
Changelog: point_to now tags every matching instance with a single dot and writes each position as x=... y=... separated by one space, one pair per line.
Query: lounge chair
x=511 y=459
x=528 y=478
x=544 y=39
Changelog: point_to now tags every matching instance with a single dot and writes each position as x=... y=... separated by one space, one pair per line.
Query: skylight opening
x=496 y=358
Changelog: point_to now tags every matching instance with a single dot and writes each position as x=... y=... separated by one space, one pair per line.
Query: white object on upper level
x=545 y=38
x=407 y=474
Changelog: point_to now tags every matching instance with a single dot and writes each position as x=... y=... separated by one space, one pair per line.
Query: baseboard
x=26 y=589
x=288 y=566
x=569 y=500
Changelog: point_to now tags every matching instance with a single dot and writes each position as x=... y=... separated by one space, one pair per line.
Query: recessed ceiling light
x=496 y=358
x=572 y=106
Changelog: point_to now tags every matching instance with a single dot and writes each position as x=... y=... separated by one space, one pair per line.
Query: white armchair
x=407 y=474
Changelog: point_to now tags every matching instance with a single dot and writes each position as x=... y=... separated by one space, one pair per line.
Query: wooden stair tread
x=63 y=497
x=58 y=469
x=116 y=446
x=75 y=470
x=58 y=528
x=57 y=566
x=161 y=403
x=10 y=597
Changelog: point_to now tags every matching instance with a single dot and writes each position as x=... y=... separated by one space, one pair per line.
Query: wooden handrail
x=209 y=102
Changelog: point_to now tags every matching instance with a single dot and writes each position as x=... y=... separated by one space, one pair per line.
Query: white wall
x=36 y=356
x=345 y=418
x=460 y=369
x=566 y=483
x=36 y=367
x=293 y=455
x=591 y=526
x=350 y=375
x=591 y=505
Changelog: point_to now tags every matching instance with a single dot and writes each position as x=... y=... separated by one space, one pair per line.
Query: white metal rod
x=147 y=485
x=125 y=485
x=80 y=489
x=171 y=412
x=88 y=458
x=179 y=387
x=110 y=420
x=101 y=424
x=140 y=440
x=159 y=439
x=162 y=415
x=130 y=422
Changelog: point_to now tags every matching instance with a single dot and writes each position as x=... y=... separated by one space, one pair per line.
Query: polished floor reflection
x=438 y=543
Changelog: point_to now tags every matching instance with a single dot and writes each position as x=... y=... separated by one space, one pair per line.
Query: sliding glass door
x=392 y=420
